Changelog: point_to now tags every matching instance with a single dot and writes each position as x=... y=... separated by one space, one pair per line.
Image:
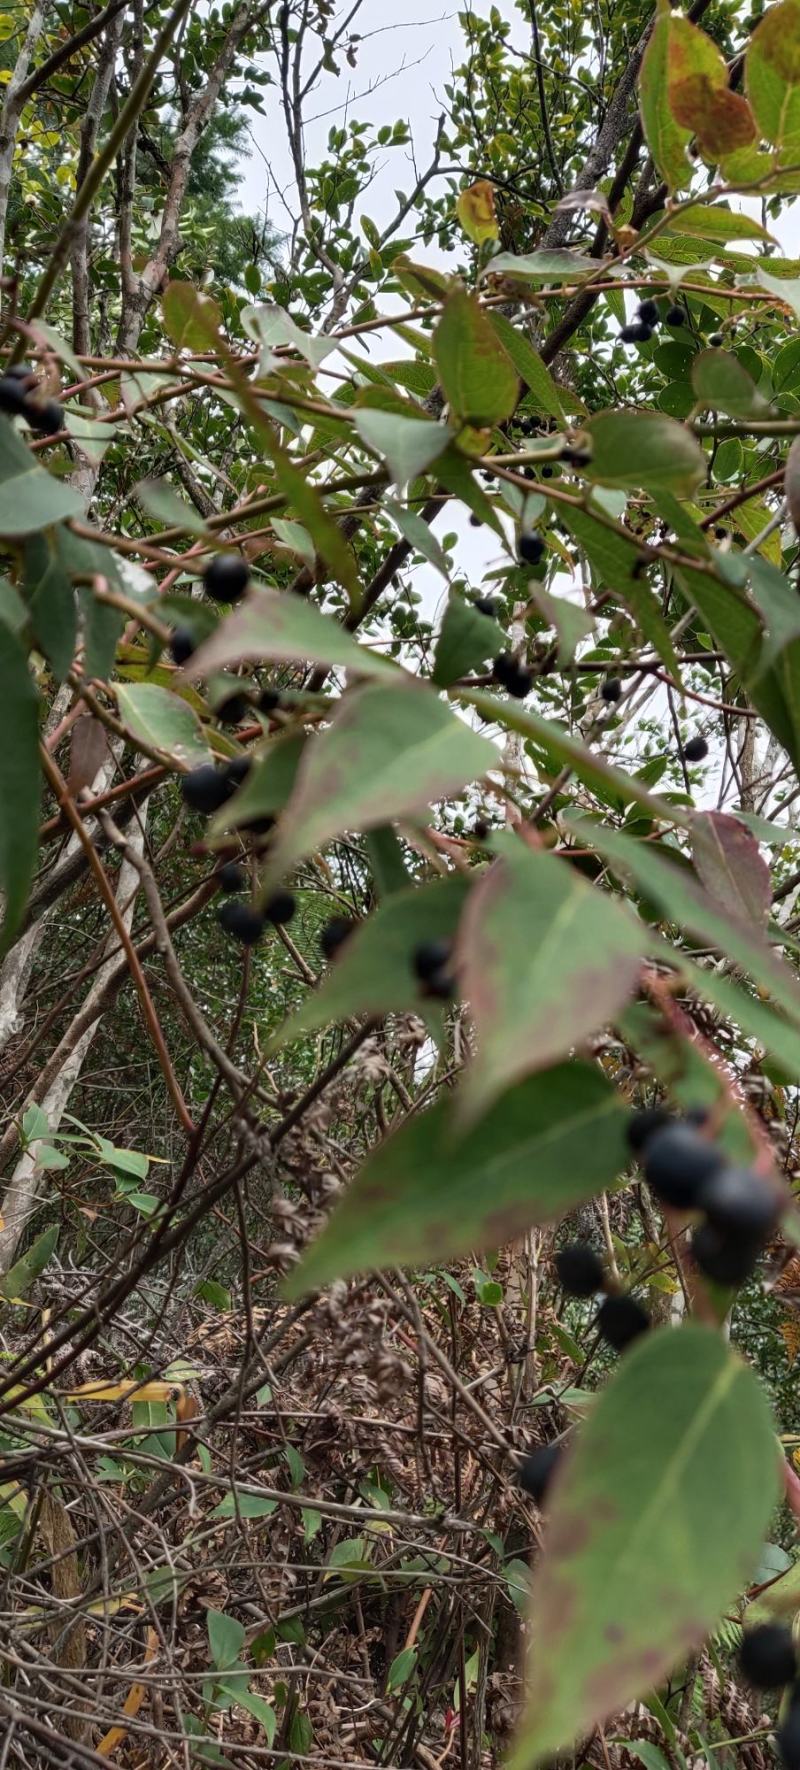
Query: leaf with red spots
x=772 y=75
x=431 y=1193
x=544 y=961
x=656 y=1520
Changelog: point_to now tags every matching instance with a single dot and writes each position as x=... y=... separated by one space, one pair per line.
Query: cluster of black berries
x=530 y=547
x=206 y=789
x=620 y=1318
x=768 y=1661
x=225 y=580
x=432 y=964
x=640 y=330
x=18 y=391
x=687 y=1172
x=512 y=676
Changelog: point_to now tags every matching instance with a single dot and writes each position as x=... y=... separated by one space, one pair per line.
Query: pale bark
x=22 y=1196
x=12 y=111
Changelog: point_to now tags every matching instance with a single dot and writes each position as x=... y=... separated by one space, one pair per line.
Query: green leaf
x=290 y=629
x=244 y=1505
x=544 y=267
x=666 y=138
x=478 y=377
x=261 y=1710
x=772 y=77
x=648 y=1754
x=373 y=973
x=782 y=1598
x=572 y=623
x=268 y=784
x=13 y=613
x=544 y=392
x=19 y=1278
x=433 y=1193
x=162 y=720
x=52 y=601
x=20 y=787
x=385 y=855
x=272 y=325
x=302 y=495
x=419 y=534
x=401 y=1668
x=216 y=1294
x=717 y=222
x=226 y=1638
x=467 y=637
x=631 y=449
x=699 y=95
x=49 y=1158
x=614 y=561
x=544 y=962
x=125 y=1161
x=190 y=318
x=30 y=498
x=721 y=382
x=407 y=445
x=35 y=1123
x=387 y=753
x=651 y=1533
x=517 y=1576
x=161 y=500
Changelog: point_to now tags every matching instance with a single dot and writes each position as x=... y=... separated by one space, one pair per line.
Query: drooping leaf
x=615 y=562
x=19 y=1278
x=268 y=784
x=772 y=77
x=648 y=449
x=666 y=138
x=407 y=445
x=721 y=382
x=544 y=961
x=727 y=859
x=680 y=898
x=269 y=624
x=651 y=1531
x=429 y=1194
x=476 y=212
x=478 y=377
x=467 y=637
x=19 y=781
x=545 y=393
x=30 y=497
x=51 y=597
x=163 y=721
x=389 y=752
x=373 y=972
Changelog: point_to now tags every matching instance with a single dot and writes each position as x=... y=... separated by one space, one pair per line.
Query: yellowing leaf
x=476 y=212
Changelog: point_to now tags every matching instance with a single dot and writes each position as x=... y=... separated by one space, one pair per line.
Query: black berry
x=47 y=419
x=205 y=788
x=241 y=920
x=268 y=700
x=715 y=339
x=739 y=1203
x=505 y=669
x=580 y=1269
x=767 y=1656
x=720 y=534
x=678 y=1162
x=530 y=548
x=547 y=473
x=335 y=933
x=475 y=522
x=644 y=1123
x=724 y=1258
x=520 y=683
x=486 y=605
x=236 y=771
x=577 y=457
x=430 y=957
x=233 y=710
x=13 y=398
x=535 y=1474
x=636 y=333
x=280 y=907
x=481 y=830
x=621 y=1320
x=696 y=750
x=181 y=645
x=226 y=577
x=231 y=877
x=675 y=316
x=611 y=689
x=648 y=313
x=258 y=826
